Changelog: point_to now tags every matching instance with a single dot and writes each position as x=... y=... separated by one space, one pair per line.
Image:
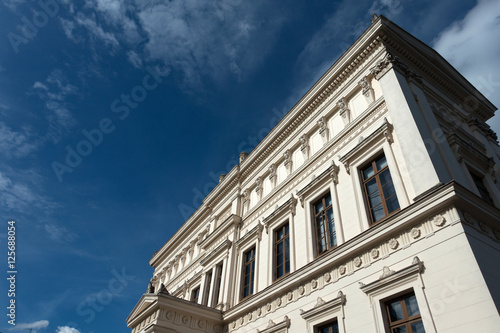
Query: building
x=372 y=206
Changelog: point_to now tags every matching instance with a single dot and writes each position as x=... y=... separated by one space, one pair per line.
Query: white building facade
x=372 y=206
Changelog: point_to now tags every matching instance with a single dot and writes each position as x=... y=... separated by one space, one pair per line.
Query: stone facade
x=389 y=100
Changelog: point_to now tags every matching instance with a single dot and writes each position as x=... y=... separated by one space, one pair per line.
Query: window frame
x=407 y=320
x=207 y=287
x=217 y=284
x=252 y=272
x=275 y=249
x=195 y=295
x=373 y=163
x=327 y=324
x=478 y=177
x=313 y=203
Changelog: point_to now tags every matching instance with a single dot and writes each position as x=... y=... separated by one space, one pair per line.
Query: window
x=248 y=272
x=218 y=281
x=282 y=251
x=195 y=294
x=380 y=193
x=332 y=327
x=324 y=224
x=483 y=191
x=206 y=292
x=403 y=315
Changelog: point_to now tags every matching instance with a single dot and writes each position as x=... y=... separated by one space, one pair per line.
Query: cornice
x=322 y=306
x=308 y=104
x=389 y=276
x=435 y=67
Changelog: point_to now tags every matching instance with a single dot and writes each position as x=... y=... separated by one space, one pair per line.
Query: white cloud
x=471 y=46
x=66 y=329
x=214 y=39
x=31 y=326
x=134 y=59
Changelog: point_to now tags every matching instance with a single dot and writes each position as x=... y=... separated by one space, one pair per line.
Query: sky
x=117 y=117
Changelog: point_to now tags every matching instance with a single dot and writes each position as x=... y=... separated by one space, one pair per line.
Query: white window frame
x=380 y=141
x=324 y=312
x=393 y=283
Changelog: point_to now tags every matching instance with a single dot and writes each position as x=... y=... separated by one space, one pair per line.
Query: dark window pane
x=368 y=172
x=395 y=311
x=385 y=177
x=375 y=199
x=287 y=266
x=279 y=248
x=381 y=163
x=417 y=327
x=372 y=186
x=412 y=306
x=279 y=234
x=392 y=204
x=286 y=229
x=319 y=207
x=279 y=271
x=400 y=329
x=328 y=200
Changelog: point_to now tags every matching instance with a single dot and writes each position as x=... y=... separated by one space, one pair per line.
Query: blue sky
x=209 y=79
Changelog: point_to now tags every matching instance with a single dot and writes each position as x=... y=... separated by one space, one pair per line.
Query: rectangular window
x=218 y=282
x=380 y=193
x=206 y=292
x=282 y=251
x=332 y=327
x=324 y=224
x=403 y=315
x=483 y=191
x=195 y=294
x=248 y=272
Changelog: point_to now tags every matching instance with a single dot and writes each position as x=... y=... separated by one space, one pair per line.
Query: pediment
x=146 y=302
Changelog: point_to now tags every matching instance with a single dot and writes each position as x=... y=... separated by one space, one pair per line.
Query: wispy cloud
x=202 y=40
x=60 y=234
x=66 y=329
x=31 y=326
x=55 y=91
x=17 y=194
x=19 y=143
x=134 y=59
x=470 y=45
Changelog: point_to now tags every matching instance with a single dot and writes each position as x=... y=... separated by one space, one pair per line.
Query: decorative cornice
x=315 y=101
x=388 y=276
x=322 y=306
x=288 y=206
x=273 y=327
x=385 y=129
